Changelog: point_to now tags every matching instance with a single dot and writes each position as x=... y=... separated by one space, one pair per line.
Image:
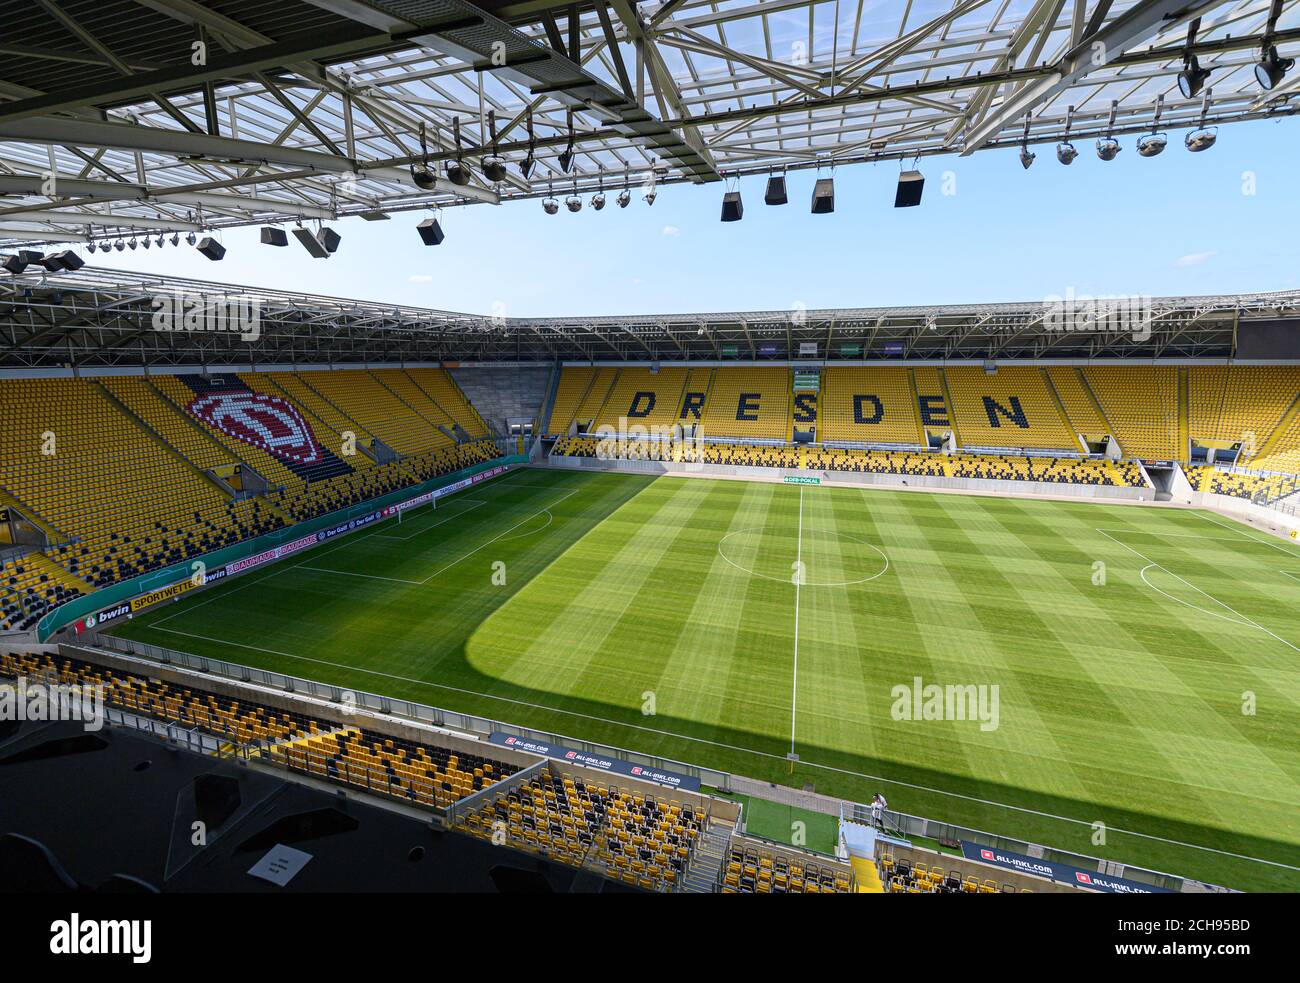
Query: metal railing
x=1278 y=490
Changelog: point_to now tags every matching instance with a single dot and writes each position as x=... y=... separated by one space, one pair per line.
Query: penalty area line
x=1241 y=532
x=498 y=536
x=472 y=502
x=1244 y=620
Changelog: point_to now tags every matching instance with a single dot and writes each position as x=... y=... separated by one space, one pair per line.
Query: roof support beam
x=1144 y=20
x=221 y=65
x=124 y=136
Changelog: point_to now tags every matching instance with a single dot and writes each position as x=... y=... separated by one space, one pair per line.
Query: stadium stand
x=125 y=500
x=593 y=397
x=874 y=462
x=749 y=455
x=376 y=407
x=628 y=833
x=441 y=389
x=1150 y=410
x=643 y=398
x=1258 y=487
x=569 y=394
x=634 y=837
x=30 y=586
x=917 y=870
x=1081 y=471
x=178 y=429
x=217 y=715
x=908 y=877
x=1081 y=409
x=394 y=767
x=749 y=402
x=1240 y=404
x=1011 y=408
x=933 y=405
x=868 y=406
x=1281 y=452
x=1141 y=402
x=754 y=868
x=131 y=473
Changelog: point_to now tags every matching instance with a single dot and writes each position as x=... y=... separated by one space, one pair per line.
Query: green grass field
x=1120 y=702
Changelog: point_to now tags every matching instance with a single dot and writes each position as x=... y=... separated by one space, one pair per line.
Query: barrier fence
x=1274 y=490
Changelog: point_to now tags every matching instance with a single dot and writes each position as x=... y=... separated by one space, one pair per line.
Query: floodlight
x=1271 y=68
x=1108 y=148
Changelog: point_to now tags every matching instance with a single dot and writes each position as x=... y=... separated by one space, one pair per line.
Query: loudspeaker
x=30 y=256
x=823 y=199
x=732 y=207
x=330 y=239
x=271 y=236
x=14 y=264
x=69 y=260
x=210 y=248
x=311 y=243
x=430 y=231
x=910 y=186
x=775 y=193
x=51 y=262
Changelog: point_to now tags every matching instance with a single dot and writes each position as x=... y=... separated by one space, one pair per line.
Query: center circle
x=829 y=559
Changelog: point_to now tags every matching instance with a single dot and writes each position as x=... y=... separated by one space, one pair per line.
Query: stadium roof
x=105 y=318
x=121 y=115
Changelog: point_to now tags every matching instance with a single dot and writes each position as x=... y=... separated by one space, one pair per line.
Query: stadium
x=973 y=598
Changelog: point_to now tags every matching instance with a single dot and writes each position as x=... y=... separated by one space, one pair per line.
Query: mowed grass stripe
x=977 y=636
x=1156 y=691
x=760 y=672
x=618 y=571
x=834 y=697
x=695 y=630
x=423 y=643
x=649 y=619
x=1138 y=693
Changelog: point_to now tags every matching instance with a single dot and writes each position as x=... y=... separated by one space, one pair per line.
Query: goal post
x=431 y=505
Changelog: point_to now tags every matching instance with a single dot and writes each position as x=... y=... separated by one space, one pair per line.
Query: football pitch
x=1146 y=661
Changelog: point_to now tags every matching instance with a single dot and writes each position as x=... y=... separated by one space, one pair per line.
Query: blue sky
x=1177 y=224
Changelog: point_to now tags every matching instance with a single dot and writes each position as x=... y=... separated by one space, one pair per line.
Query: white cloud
x=672 y=230
x=421 y=278
x=1194 y=259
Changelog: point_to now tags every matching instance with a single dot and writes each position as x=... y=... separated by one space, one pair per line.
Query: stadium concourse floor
x=1145 y=659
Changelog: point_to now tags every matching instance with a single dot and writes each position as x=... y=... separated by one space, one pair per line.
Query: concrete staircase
x=707 y=861
x=502 y=394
